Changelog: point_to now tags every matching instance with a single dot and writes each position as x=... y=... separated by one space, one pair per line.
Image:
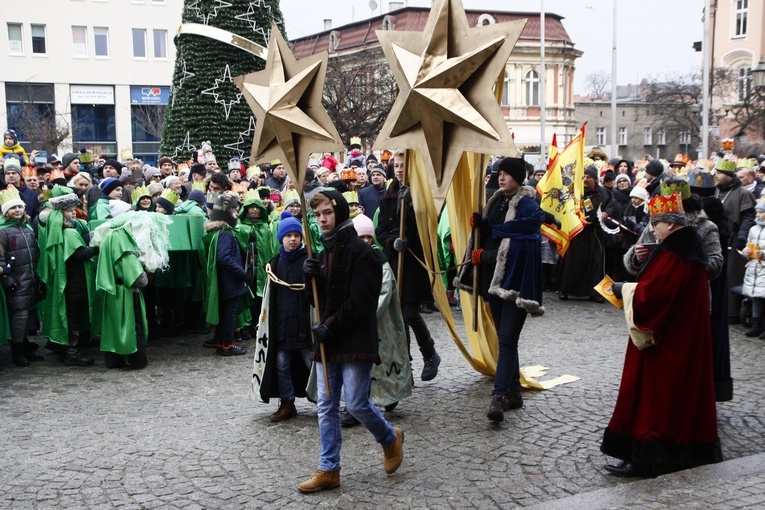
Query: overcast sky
x=654 y=37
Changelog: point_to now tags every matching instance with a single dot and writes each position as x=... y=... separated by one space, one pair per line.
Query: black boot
x=19 y=355
x=74 y=357
x=756 y=327
x=29 y=351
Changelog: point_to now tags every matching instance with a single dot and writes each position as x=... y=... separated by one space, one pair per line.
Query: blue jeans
x=509 y=320
x=355 y=378
x=284 y=372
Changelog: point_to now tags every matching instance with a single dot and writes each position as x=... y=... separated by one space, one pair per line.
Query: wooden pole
x=402 y=226
x=307 y=237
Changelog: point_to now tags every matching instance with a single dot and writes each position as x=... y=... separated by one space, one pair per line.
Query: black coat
x=289 y=312
x=20 y=285
x=415 y=283
x=348 y=287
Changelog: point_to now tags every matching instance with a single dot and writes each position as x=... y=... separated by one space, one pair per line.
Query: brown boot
x=453 y=301
x=286 y=410
x=320 y=481
x=394 y=453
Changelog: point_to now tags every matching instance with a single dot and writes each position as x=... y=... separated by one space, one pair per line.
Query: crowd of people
x=75 y=234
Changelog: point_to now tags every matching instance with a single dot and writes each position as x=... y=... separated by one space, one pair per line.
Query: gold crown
x=250 y=195
x=386 y=155
x=347 y=174
x=355 y=140
x=239 y=187
x=727 y=144
x=141 y=191
x=198 y=185
x=290 y=194
x=745 y=163
x=661 y=204
x=276 y=162
x=170 y=195
x=12 y=162
x=8 y=194
x=28 y=171
x=57 y=174
x=351 y=197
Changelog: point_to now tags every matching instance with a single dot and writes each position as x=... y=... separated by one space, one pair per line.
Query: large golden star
x=291 y=122
x=446 y=105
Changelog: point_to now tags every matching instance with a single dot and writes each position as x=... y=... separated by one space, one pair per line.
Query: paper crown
x=355 y=140
x=9 y=197
x=727 y=144
x=28 y=171
x=239 y=187
x=170 y=195
x=252 y=172
x=57 y=174
x=140 y=192
x=663 y=204
x=198 y=185
x=126 y=154
x=725 y=165
x=701 y=178
x=351 y=197
x=676 y=186
x=209 y=157
x=250 y=196
x=12 y=162
x=744 y=163
x=386 y=155
x=291 y=195
x=276 y=162
x=347 y=174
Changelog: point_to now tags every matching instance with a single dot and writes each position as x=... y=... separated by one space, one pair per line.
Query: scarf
x=289 y=256
x=329 y=240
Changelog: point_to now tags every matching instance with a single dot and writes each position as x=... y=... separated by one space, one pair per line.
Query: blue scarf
x=289 y=256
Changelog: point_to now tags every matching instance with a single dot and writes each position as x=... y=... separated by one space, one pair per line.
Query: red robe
x=665 y=412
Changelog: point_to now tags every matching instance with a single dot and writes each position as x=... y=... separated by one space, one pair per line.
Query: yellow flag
x=561 y=190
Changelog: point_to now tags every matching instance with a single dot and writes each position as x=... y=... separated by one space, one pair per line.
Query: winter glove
x=400 y=244
x=476 y=220
x=405 y=195
x=311 y=268
x=617 y=288
x=475 y=256
x=8 y=269
x=556 y=222
x=321 y=333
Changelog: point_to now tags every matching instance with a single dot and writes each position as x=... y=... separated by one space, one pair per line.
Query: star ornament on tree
x=291 y=122
x=446 y=104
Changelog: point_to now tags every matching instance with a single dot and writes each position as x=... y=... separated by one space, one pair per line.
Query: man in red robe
x=665 y=417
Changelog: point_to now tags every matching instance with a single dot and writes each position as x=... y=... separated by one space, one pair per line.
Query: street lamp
x=758 y=75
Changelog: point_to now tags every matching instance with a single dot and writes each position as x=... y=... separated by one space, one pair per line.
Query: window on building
x=93 y=125
x=139 y=43
x=532 y=88
x=32 y=114
x=744 y=84
x=38 y=39
x=160 y=44
x=741 y=14
x=15 y=41
x=600 y=136
x=647 y=136
x=101 y=41
x=685 y=137
x=661 y=137
x=622 y=136
x=506 y=90
x=79 y=42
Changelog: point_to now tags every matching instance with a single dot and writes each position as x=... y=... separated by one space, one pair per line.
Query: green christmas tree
x=204 y=102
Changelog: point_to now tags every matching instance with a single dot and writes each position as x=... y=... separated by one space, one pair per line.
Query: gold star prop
x=446 y=105
x=291 y=122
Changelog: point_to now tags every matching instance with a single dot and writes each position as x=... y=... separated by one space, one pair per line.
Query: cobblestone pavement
x=184 y=433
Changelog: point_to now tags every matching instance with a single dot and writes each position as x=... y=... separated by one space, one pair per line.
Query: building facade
x=639 y=131
x=101 y=68
x=521 y=93
x=737 y=44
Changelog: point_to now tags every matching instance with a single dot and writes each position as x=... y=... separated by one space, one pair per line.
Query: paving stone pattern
x=184 y=433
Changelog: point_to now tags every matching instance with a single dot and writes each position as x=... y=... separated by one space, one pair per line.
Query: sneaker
x=320 y=481
x=424 y=308
x=231 y=350
x=430 y=370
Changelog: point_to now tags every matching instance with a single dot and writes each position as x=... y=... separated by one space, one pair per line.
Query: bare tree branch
x=598 y=84
x=36 y=119
x=151 y=117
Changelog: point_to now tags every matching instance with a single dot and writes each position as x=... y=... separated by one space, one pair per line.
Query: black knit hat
x=654 y=167
x=592 y=171
x=197 y=168
x=113 y=163
x=339 y=204
x=515 y=167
